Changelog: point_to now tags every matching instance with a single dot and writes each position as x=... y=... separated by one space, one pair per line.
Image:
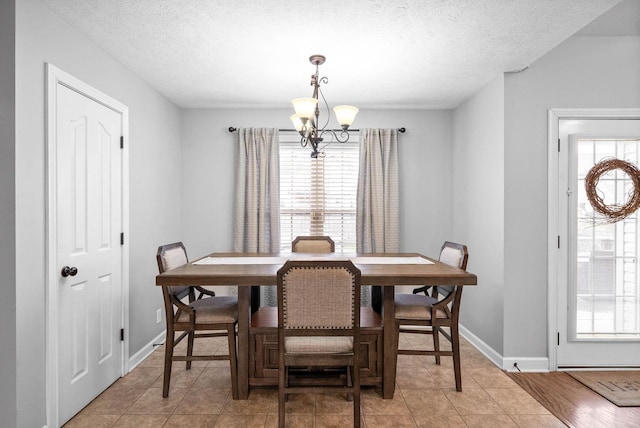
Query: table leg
x=390 y=345
x=376 y=298
x=244 y=318
x=255 y=298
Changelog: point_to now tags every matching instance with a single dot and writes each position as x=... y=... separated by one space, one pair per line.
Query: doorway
x=87 y=255
x=595 y=263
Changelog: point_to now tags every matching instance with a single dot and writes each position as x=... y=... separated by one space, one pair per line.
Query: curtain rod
x=401 y=130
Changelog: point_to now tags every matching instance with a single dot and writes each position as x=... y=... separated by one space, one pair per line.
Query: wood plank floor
x=575 y=404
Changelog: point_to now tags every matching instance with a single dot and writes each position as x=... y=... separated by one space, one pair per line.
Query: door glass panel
x=607 y=288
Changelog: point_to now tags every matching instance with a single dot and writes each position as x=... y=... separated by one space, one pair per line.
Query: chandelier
x=307 y=115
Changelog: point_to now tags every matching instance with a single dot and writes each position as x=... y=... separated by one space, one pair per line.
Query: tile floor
x=425 y=397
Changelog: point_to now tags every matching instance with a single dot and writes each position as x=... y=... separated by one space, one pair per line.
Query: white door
x=599 y=268
x=88 y=253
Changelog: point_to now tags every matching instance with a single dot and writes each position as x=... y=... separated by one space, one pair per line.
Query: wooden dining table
x=247 y=271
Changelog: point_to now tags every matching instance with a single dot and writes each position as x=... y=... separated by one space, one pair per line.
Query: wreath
x=613 y=212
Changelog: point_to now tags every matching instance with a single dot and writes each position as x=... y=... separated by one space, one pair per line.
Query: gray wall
x=582 y=72
x=209 y=160
x=478 y=210
x=8 y=362
x=155 y=186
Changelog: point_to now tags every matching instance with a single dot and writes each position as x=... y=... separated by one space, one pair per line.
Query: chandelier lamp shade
x=307 y=115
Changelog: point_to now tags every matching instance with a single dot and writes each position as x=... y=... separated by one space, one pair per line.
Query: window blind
x=318 y=196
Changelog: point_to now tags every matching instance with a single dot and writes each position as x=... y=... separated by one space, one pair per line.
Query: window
x=606 y=257
x=318 y=196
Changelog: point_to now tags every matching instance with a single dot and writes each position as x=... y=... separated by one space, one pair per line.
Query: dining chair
x=318 y=325
x=439 y=311
x=313 y=244
x=207 y=315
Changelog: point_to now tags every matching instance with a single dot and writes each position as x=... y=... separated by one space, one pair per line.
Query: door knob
x=69 y=271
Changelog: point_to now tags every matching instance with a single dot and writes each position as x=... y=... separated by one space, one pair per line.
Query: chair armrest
x=181 y=305
x=422 y=290
x=443 y=302
x=204 y=291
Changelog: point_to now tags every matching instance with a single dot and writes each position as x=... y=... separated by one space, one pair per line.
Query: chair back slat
x=452 y=254
x=169 y=257
x=318 y=298
x=174 y=257
x=313 y=244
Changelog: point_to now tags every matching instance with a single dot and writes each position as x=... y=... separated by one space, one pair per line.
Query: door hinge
x=122 y=142
x=122 y=334
x=558 y=241
x=558 y=144
x=558 y=338
x=122 y=238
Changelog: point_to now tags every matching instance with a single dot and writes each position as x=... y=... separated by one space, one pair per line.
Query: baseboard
x=524 y=364
x=485 y=349
x=146 y=350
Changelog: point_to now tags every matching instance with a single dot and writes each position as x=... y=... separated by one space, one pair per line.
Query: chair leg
x=168 y=360
x=349 y=380
x=286 y=383
x=397 y=341
x=233 y=360
x=190 y=348
x=281 y=396
x=436 y=343
x=356 y=397
x=455 y=347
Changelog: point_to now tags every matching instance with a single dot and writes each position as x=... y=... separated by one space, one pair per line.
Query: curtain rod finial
x=402 y=130
x=232 y=129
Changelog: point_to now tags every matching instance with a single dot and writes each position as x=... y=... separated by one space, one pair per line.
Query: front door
x=599 y=275
x=89 y=255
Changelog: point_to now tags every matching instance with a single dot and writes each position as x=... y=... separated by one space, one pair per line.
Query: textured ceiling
x=380 y=53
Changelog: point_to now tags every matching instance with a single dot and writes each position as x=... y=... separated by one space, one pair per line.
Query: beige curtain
x=377 y=218
x=257 y=206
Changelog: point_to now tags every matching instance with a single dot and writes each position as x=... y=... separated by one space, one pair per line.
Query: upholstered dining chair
x=319 y=326
x=439 y=311
x=207 y=315
x=313 y=244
